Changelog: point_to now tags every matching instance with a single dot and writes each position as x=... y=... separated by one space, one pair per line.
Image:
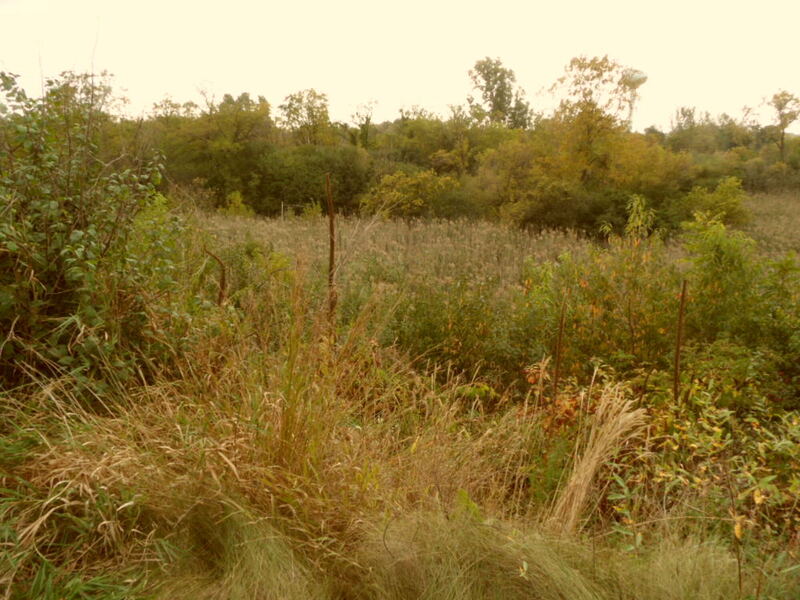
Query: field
x=775 y=222
x=485 y=413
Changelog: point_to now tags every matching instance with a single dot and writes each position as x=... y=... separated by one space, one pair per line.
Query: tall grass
x=776 y=221
x=443 y=248
x=269 y=461
x=613 y=423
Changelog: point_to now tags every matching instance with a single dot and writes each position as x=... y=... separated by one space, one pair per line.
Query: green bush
x=469 y=324
x=70 y=298
x=725 y=443
x=294 y=177
x=725 y=202
x=423 y=193
x=235 y=206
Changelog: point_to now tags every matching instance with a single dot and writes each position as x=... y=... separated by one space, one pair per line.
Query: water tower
x=632 y=80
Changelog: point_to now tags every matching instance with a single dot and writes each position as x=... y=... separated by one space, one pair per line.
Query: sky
x=718 y=56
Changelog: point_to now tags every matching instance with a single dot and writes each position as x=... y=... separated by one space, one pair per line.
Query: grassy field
x=490 y=414
x=775 y=221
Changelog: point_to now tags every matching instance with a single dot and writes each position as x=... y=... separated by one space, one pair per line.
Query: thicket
x=550 y=318
x=494 y=157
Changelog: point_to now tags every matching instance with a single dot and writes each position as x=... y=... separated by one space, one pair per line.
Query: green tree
x=601 y=83
x=294 y=177
x=362 y=119
x=220 y=144
x=598 y=100
x=787 y=110
x=501 y=102
x=241 y=119
x=305 y=113
x=412 y=138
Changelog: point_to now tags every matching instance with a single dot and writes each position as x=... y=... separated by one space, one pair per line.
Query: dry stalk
x=614 y=423
x=222 y=277
x=559 y=343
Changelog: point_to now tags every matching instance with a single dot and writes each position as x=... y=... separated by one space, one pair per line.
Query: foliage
x=599 y=84
x=305 y=114
x=410 y=194
x=501 y=103
x=235 y=206
x=293 y=177
x=619 y=302
x=480 y=388
x=575 y=167
x=725 y=202
x=578 y=168
x=219 y=146
x=787 y=110
x=307 y=467
x=66 y=221
x=725 y=444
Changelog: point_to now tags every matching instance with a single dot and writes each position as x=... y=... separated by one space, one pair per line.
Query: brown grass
x=614 y=422
x=775 y=222
x=274 y=463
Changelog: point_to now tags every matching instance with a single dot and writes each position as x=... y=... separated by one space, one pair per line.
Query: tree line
x=493 y=156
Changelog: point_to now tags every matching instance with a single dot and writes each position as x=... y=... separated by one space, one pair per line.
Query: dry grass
x=438 y=249
x=309 y=442
x=460 y=557
x=776 y=222
x=614 y=422
x=274 y=463
x=187 y=489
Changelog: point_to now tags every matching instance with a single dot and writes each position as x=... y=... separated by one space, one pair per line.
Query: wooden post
x=222 y=277
x=559 y=342
x=331 y=253
x=676 y=376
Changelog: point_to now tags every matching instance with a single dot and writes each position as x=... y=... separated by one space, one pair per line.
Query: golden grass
x=614 y=422
x=188 y=484
x=310 y=442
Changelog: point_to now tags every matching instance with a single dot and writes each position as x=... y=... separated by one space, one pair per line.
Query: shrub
x=293 y=177
x=65 y=225
x=725 y=202
x=236 y=207
x=410 y=194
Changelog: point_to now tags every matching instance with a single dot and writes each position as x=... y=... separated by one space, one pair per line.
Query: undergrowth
x=488 y=414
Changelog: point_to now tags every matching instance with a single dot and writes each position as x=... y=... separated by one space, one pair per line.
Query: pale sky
x=716 y=55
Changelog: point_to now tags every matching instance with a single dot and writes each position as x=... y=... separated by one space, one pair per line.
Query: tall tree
x=502 y=102
x=305 y=113
x=600 y=82
x=787 y=109
x=363 y=120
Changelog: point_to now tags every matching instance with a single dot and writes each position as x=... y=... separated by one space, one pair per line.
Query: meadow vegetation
x=491 y=411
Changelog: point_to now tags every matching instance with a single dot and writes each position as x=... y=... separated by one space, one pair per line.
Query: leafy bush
x=410 y=194
x=235 y=206
x=294 y=177
x=468 y=323
x=65 y=228
x=725 y=444
x=725 y=202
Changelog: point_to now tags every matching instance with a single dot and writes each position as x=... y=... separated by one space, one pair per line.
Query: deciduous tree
x=787 y=110
x=502 y=102
x=305 y=113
